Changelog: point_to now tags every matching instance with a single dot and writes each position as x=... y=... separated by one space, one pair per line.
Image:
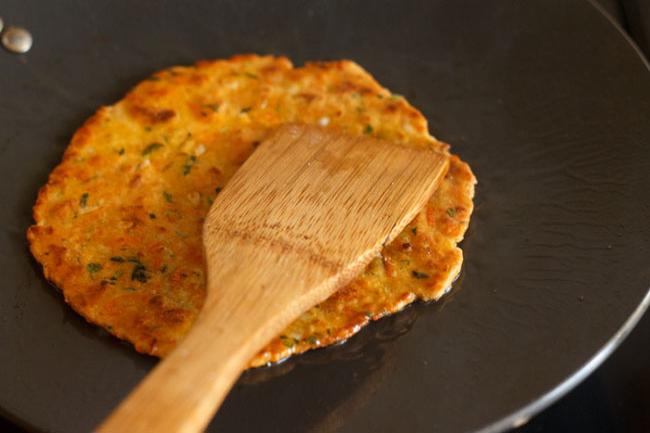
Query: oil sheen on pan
x=118 y=224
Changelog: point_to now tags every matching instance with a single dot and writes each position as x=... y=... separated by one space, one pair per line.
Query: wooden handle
x=183 y=392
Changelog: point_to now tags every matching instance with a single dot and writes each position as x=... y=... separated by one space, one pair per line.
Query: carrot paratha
x=118 y=224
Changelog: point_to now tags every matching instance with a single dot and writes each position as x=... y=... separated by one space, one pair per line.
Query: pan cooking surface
x=546 y=100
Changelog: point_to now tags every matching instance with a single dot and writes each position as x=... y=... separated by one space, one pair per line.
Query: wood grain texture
x=304 y=214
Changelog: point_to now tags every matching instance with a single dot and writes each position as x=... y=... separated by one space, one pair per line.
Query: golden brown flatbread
x=118 y=224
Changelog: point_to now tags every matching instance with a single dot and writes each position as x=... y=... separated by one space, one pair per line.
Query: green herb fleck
x=312 y=339
x=116 y=275
x=396 y=96
x=246 y=109
x=214 y=107
x=130 y=289
x=189 y=163
x=121 y=151
x=117 y=259
x=152 y=216
x=250 y=75
x=419 y=275
x=93 y=268
x=368 y=129
x=168 y=196
x=218 y=189
x=139 y=273
x=163 y=268
x=451 y=212
x=83 y=200
x=368 y=315
x=147 y=128
x=288 y=342
x=414 y=230
x=151 y=147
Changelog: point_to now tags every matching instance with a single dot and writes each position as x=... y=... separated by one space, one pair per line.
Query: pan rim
x=521 y=416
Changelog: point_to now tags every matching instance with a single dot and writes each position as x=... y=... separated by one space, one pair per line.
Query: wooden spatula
x=304 y=214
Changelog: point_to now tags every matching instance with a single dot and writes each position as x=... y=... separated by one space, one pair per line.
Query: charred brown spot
x=135 y=181
x=152 y=115
x=163 y=116
x=391 y=108
x=345 y=87
x=156 y=301
x=57 y=253
x=196 y=78
x=413 y=114
x=214 y=172
x=177 y=277
x=132 y=220
x=308 y=97
x=94 y=292
x=270 y=69
x=174 y=316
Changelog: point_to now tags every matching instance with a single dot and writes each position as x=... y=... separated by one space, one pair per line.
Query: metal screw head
x=17 y=40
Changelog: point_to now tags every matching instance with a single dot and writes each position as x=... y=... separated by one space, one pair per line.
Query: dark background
x=615 y=398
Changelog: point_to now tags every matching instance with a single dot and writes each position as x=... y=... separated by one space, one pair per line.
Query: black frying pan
x=547 y=100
